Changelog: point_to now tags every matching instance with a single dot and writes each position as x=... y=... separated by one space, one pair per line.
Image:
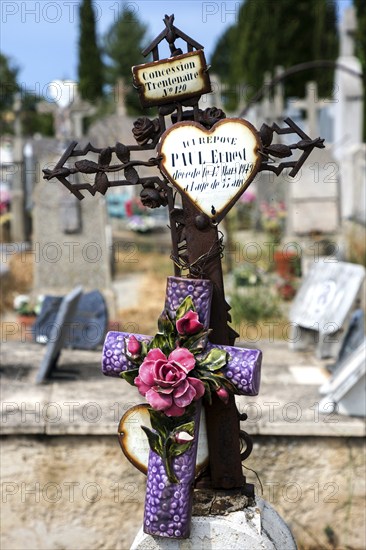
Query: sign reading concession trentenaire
x=179 y=77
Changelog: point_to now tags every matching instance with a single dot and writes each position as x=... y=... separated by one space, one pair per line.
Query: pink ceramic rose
x=189 y=324
x=165 y=383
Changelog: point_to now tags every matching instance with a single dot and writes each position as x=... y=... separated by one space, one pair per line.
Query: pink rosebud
x=183 y=437
x=133 y=346
x=223 y=394
x=189 y=324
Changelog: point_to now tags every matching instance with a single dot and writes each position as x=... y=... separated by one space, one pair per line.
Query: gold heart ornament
x=211 y=167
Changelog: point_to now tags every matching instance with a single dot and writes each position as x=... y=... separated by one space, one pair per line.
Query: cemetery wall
x=80 y=492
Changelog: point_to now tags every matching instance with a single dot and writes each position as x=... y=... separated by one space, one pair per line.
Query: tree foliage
x=284 y=33
x=8 y=88
x=90 y=67
x=32 y=122
x=123 y=44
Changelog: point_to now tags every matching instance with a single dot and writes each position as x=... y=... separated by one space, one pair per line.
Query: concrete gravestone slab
x=314 y=197
x=324 y=305
x=354 y=336
x=71 y=243
x=58 y=335
x=348 y=108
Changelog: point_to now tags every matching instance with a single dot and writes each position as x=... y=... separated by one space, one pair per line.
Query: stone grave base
x=257 y=527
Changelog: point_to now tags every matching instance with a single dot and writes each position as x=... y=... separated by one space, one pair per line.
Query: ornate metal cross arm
x=306 y=145
x=146 y=132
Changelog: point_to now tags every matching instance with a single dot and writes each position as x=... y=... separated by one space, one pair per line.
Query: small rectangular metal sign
x=176 y=78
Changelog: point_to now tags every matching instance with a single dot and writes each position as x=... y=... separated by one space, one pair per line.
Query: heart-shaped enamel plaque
x=211 y=167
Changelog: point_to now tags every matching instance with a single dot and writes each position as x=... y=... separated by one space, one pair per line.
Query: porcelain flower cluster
x=173 y=371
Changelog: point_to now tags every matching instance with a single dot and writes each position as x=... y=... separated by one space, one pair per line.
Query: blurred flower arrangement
x=286 y=288
x=23 y=305
x=247 y=275
x=273 y=216
x=245 y=209
x=134 y=207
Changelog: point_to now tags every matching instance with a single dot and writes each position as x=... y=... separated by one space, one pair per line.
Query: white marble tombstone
x=348 y=107
x=323 y=307
x=313 y=195
x=346 y=390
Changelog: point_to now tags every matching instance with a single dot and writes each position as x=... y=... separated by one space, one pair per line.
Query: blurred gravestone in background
x=346 y=390
x=324 y=305
x=87 y=327
x=72 y=240
x=348 y=116
x=58 y=335
x=313 y=197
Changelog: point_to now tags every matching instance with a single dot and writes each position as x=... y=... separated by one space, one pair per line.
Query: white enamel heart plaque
x=211 y=167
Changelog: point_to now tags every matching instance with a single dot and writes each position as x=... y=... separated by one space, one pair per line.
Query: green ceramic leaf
x=159 y=422
x=195 y=343
x=177 y=449
x=144 y=349
x=185 y=306
x=165 y=325
x=162 y=342
x=154 y=440
x=214 y=360
x=168 y=461
x=129 y=375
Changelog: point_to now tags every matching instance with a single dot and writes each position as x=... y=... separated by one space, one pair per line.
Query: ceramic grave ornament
x=174 y=370
x=211 y=167
x=206 y=161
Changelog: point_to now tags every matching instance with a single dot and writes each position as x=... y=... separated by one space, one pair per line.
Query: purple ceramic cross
x=168 y=505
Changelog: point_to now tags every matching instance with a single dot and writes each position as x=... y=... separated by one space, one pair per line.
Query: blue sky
x=41 y=36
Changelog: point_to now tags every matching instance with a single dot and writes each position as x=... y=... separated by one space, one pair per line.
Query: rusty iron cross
x=196 y=245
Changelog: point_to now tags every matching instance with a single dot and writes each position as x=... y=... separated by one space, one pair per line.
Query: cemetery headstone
x=17 y=205
x=346 y=390
x=322 y=310
x=354 y=336
x=71 y=240
x=209 y=161
x=87 y=328
x=315 y=189
x=348 y=107
x=317 y=185
x=58 y=334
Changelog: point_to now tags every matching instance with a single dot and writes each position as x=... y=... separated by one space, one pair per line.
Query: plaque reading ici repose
x=212 y=167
